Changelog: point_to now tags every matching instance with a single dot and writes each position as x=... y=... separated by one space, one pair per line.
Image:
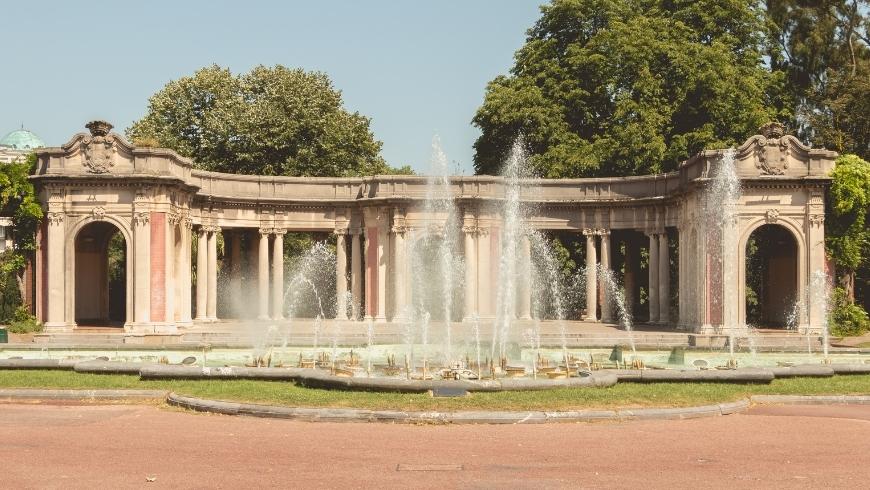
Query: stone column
x=524 y=312
x=278 y=275
x=56 y=273
x=263 y=275
x=383 y=254
x=399 y=270
x=653 y=296
x=470 y=271
x=341 y=274
x=201 y=273
x=591 y=277
x=184 y=274
x=630 y=280
x=356 y=274
x=485 y=282
x=606 y=306
x=211 y=305
x=170 y=282
x=236 y=273
x=664 y=279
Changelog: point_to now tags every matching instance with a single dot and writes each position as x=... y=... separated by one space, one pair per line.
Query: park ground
x=148 y=446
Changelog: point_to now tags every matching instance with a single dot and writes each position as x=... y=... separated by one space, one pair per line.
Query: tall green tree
x=269 y=121
x=822 y=47
x=18 y=199
x=624 y=87
x=848 y=233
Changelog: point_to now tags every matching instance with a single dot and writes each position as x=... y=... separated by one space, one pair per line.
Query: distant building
x=18 y=144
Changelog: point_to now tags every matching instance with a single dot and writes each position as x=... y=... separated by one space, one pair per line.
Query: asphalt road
x=125 y=446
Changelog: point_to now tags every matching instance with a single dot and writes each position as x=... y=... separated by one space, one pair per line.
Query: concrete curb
x=15 y=394
x=811 y=399
x=461 y=417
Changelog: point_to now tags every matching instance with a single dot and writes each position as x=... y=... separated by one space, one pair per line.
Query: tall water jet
x=616 y=295
x=722 y=197
x=819 y=294
x=433 y=253
x=512 y=235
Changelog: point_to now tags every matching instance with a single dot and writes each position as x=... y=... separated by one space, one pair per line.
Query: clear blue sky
x=415 y=68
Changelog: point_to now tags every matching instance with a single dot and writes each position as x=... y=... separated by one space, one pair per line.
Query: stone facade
x=158 y=200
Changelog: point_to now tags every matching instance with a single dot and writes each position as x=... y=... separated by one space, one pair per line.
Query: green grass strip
x=623 y=395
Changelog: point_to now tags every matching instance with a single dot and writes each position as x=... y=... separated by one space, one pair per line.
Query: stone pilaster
x=201 y=273
x=56 y=271
x=141 y=268
x=341 y=274
x=470 y=232
x=653 y=292
x=524 y=293
x=211 y=303
x=278 y=275
x=664 y=279
x=606 y=300
x=400 y=269
x=356 y=274
x=263 y=274
x=591 y=277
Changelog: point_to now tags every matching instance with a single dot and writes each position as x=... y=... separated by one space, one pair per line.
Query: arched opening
x=100 y=276
x=771 y=276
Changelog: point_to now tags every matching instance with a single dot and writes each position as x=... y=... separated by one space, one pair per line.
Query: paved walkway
x=121 y=446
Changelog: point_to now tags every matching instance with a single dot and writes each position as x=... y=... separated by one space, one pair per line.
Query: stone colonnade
x=156 y=199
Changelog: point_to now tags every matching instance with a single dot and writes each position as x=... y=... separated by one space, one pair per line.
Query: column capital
x=279 y=231
x=210 y=229
x=55 y=217
x=596 y=231
x=141 y=218
x=341 y=231
x=399 y=229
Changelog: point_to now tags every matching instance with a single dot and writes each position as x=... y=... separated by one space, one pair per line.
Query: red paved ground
x=120 y=446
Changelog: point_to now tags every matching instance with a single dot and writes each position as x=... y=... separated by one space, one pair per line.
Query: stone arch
x=799 y=261
x=72 y=266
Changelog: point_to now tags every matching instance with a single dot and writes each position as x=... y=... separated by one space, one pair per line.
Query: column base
x=57 y=327
x=590 y=319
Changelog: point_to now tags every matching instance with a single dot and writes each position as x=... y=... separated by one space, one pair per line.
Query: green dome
x=22 y=139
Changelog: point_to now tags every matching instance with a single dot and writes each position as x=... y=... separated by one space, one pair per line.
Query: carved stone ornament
x=173 y=218
x=771 y=216
x=99 y=148
x=773 y=154
x=55 y=218
x=817 y=219
x=141 y=218
x=98 y=213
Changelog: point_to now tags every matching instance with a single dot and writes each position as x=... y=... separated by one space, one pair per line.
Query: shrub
x=846 y=319
x=24 y=322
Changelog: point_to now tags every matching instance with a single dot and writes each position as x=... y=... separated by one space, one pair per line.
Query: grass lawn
x=289 y=394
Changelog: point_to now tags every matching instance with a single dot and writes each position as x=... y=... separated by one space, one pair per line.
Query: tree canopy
x=625 y=87
x=823 y=49
x=269 y=121
x=848 y=234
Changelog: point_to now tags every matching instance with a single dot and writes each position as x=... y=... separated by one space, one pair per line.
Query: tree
x=18 y=199
x=847 y=234
x=625 y=87
x=823 y=50
x=270 y=121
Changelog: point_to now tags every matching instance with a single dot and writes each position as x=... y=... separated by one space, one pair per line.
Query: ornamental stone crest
x=98 y=213
x=99 y=148
x=773 y=157
x=771 y=216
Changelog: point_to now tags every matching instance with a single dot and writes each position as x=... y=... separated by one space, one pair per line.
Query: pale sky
x=415 y=68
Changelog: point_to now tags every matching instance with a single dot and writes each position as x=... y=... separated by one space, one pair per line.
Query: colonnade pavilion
x=98 y=185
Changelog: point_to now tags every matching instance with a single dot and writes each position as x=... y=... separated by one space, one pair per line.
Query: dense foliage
x=626 y=87
x=18 y=200
x=848 y=234
x=269 y=121
x=823 y=49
